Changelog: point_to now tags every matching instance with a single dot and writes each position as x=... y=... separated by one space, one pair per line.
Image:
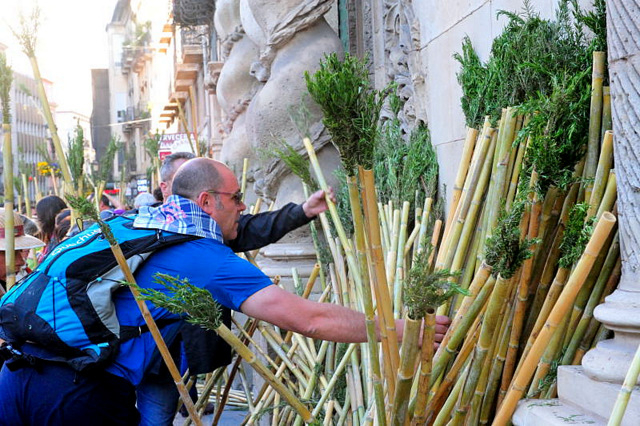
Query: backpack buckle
x=15 y=358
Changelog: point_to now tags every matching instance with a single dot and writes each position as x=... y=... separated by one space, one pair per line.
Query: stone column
x=589 y=392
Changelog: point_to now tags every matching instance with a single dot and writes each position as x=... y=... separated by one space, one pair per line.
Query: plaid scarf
x=179 y=215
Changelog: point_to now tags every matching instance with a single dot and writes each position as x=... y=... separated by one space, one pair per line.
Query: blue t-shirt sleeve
x=236 y=280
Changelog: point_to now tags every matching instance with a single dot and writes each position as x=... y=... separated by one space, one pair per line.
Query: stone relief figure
x=266 y=47
x=292 y=37
x=402 y=60
x=235 y=87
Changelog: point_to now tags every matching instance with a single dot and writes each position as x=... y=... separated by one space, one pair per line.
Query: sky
x=72 y=40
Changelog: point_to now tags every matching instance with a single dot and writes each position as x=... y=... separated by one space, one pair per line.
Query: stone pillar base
x=280 y=258
x=582 y=401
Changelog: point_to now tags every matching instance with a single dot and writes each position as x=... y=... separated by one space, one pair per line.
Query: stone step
x=582 y=401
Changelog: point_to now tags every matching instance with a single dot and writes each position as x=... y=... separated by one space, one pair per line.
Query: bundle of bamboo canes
x=511 y=327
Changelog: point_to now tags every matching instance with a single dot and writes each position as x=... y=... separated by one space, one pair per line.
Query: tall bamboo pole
x=599 y=183
x=625 y=392
x=595 y=121
x=600 y=233
x=463 y=168
x=378 y=277
x=10 y=254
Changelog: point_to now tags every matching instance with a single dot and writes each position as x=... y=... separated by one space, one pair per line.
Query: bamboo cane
x=37 y=187
x=603 y=228
x=495 y=304
x=549 y=354
x=53 y=129
x=602 y=266
x=606 y=283
x=462 y=359
x=630 y=381
x=542 y=287
x=476 y=285
x=183 y=121
x=470 y=221
x=481 y=395
x=27 y=199
x=245 y=172
x=9 y=252
x=523 y=289
x=496 y=372
x=435 y=238
x=444 y=259
x=607 y=123
x=515 y=174
x=408 y=357
x=259 y=367
x=610 y=195
x=445 y=353
x=392 y=254
x=463 y=168
x=499 y=173
x=399 y=261
x=379 y=279
x=595 y=120
x=449 y=405
x=426 y=362
x=602 y=173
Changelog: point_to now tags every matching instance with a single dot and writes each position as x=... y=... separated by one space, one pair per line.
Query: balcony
x=187 y=72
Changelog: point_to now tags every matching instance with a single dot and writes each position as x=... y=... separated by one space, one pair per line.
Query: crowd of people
x=201 y=197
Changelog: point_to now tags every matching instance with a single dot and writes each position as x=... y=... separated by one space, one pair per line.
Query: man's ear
x=163 y=188
x=205 y=202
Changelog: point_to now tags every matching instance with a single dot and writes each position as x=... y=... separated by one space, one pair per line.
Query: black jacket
x=204 y=349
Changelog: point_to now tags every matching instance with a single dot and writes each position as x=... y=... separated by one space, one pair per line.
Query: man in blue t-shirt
x=206 y=203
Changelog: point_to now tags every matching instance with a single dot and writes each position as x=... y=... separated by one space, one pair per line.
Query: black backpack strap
x=128 y=332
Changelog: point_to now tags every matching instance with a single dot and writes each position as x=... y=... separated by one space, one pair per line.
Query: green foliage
x=105 y=167
x=503 y=250
x=152 y=144
x=181 y=297
x=425 y=290
x=340 y=388
x=297 y=163
x=87 y=211
x=17 y=184
x=558 y=130
x=6 y=78
x=343 y=204
x=75 y=156
x=576 y=235
x=28 y=34
x=350 y=105
x=596 y=21
x=527 y=59
x=405 y=170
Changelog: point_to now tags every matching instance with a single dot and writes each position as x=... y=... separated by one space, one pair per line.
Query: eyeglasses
x=235 y=196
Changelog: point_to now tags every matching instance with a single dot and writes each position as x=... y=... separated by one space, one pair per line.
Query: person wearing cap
x=22 y=241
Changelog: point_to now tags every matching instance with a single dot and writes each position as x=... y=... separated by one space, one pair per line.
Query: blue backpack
x=65 y=305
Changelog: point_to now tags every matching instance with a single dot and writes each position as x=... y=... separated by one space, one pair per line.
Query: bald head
x=198 y=175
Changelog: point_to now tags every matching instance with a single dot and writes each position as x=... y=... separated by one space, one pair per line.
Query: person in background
x=22 y=244
x=63 y=223
x=110 y=206
x=157 y=194
x=47 y=209
x=143 y=199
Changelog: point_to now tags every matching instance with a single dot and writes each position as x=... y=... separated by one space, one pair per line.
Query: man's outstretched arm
x=325 y=321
